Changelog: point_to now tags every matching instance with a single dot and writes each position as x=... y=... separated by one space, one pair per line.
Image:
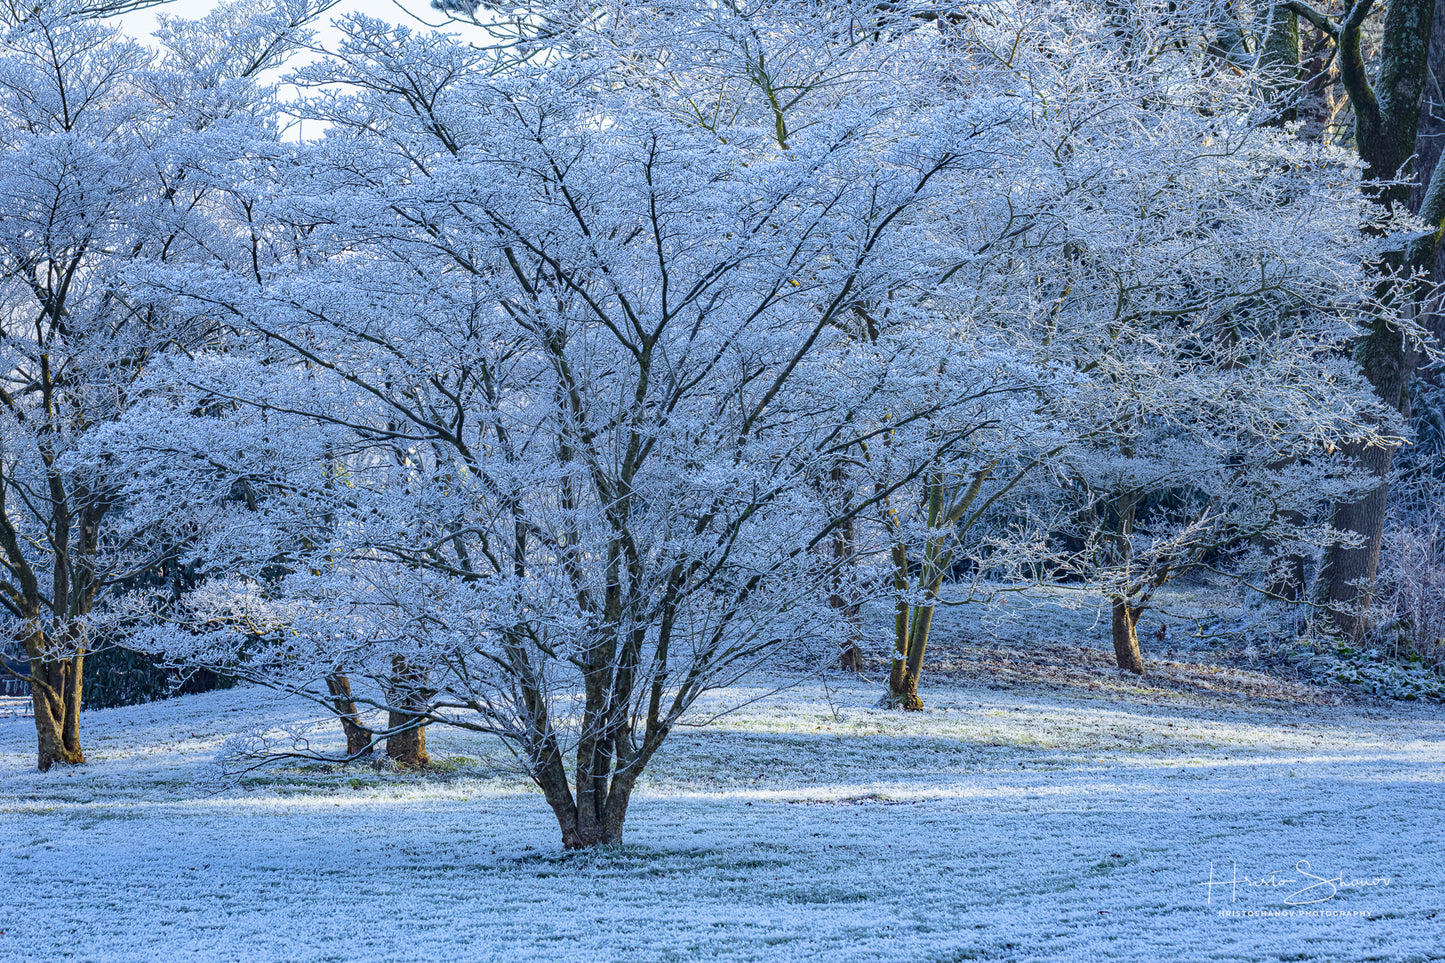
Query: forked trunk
x=912 y=624
x=585 y=829
x=1126 y=638
x=358 y=736
x=606 y=830
x=903 y=686
x=55 y=694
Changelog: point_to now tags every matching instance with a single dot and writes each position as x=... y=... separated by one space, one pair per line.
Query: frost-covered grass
x=1044 y=819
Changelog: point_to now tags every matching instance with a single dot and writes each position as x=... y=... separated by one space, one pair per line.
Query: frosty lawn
x=1020 y=824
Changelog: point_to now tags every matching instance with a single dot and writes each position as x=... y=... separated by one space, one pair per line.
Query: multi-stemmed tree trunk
x=54 y=638
x=55 y=690
x=950 y=508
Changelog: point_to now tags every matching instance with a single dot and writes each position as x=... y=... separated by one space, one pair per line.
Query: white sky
x=141 y=24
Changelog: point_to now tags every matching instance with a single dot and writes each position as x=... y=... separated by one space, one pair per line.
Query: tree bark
x=1348 y=579
x=911 y=628
x=1279 y=61
x=1429 y=147
x=1386 y=123
x=406 y=744
x=600 y=829
x=1126 y=636
x=55 y=694
x=358 y=736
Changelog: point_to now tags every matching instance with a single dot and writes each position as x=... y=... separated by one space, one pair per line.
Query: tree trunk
x=1347 y=581
x=582 y=830
x=55 y=694
x=911 y=643
x=406 y=744
x=1126 y=638
x=1429 y=147
x=1279 y=60
x=606 y=831
x=358 y=736
x=1386 y=124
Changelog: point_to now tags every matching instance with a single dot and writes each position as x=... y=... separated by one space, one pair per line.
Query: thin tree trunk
x=1126 y=638
x=844 y=539
x=358 y=736
x=1126 y=616
x=911 y=645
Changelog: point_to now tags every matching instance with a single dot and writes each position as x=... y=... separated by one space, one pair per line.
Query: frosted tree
x=107 y=149
x=552 y=377
x=550 y=367
x=1177 y=272
x=1385 y=93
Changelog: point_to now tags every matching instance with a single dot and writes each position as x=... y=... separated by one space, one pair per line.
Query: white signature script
x=1317 y=888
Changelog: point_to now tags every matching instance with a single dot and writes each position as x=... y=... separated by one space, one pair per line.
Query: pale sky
x=141 y=24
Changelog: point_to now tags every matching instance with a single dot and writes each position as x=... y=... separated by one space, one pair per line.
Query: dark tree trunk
x=1429 y=147
x=1279 y=61
x=1348 y=577
x=844 y=540
x=358 y=736
x=601 y=828
x=1386 y=122
x=1126 y=636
